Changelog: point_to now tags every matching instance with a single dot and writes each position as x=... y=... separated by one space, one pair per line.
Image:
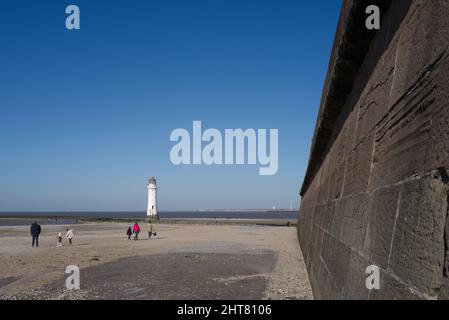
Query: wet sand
x=184 y=261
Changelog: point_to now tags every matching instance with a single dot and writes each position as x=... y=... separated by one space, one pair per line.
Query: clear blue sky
x=86 y=115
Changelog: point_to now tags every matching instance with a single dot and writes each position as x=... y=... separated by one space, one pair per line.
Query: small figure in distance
x=150 y=229
x=59 y=243
x=136 y=231
x=35 y=231
x=70 y=235
x=129 y=232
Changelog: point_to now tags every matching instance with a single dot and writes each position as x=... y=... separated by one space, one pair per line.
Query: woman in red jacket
x=136 y=231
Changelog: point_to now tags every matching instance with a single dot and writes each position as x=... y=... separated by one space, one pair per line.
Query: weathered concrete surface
x=376 y=189
x=176 y=276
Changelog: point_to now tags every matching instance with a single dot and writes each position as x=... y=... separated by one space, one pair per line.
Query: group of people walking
x=36 y=230
x=135 y=230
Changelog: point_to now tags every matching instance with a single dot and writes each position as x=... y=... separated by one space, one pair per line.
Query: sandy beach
x=184 y=261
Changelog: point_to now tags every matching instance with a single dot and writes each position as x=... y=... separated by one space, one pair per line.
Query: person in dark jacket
x=35 y=232
x=129 y=232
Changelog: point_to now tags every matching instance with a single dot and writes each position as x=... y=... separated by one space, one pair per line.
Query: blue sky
x=86 y=115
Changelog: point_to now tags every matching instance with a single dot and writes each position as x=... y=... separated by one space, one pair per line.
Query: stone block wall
x=377 y=186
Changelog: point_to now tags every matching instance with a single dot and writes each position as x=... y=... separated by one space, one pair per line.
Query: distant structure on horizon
x=152 y=200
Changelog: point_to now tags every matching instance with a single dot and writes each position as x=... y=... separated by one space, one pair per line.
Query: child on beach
x=129 y=232
x=59 y=243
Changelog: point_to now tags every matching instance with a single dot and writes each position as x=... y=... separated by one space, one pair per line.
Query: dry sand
x=184 y=261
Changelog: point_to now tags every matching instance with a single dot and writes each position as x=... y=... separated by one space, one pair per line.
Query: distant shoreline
x=62 y=212
x=286 y=215
x=46 y=221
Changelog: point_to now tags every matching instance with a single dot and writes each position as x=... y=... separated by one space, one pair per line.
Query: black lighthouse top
x=152 y=180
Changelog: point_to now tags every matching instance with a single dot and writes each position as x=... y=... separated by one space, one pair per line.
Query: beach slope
x=184 y=261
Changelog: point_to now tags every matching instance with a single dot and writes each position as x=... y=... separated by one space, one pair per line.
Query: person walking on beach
x=59 y=243
x=70 y=235
x=35 y=231
x=136 y=231
x=129 y=232
x=150 y=229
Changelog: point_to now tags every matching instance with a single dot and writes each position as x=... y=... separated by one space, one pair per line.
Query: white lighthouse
x=152 y=200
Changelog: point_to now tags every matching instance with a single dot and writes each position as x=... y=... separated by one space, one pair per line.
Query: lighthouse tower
x=152 y=200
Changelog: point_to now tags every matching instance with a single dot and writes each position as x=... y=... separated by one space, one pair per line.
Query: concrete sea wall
x=377 y=185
